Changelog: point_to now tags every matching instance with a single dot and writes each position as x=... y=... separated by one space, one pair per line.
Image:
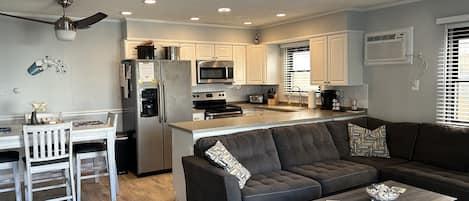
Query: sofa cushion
x=453 y=183
x=401 y=139
x=222 y=157
x=280 y=186
x=368 y=143
x=339 y=133
x=304 y=144
x=337 y=175
x=378 y=163
x=443 y=146
x=254 y=149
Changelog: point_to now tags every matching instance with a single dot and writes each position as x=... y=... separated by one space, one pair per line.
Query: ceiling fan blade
x=87 y=22
x=29 y=19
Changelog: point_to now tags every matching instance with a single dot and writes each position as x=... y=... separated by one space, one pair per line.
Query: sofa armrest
x=205 y=182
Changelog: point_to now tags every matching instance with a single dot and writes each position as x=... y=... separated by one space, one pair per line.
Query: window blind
x=453 y=78
x=297 y=69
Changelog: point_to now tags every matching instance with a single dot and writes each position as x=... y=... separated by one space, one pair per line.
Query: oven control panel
x=204 y=96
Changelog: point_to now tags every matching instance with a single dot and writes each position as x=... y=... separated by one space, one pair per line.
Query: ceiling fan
x=66 y=28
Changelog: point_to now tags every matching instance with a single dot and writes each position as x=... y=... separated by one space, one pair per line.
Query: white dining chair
x=47 y=150
x=95 y=152
x=9 y=162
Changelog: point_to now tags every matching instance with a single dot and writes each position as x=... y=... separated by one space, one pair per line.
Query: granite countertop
x=265 y=118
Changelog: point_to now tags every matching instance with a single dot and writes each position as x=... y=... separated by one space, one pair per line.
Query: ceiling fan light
x=65 y=35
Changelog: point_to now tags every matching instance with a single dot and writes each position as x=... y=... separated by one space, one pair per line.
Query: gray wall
x=92 y=80
x=324 y=24
x=153 y=30
x=390 y=95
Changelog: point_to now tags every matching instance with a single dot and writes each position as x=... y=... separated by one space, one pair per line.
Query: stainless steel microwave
x=214 y=72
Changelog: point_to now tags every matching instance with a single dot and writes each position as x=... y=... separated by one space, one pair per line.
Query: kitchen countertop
x=272 y=115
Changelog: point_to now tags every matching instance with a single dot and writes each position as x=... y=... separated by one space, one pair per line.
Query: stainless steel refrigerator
x=154 y=94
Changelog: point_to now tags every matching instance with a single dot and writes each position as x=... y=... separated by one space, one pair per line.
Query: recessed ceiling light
x=149 y=1
x=126 y=13
x=224 y=10
x=247 y=23
x=281 y=15
x=195 y=18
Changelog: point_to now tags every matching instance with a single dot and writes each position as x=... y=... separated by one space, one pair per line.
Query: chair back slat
x=63 y=140
x=35 y=145
x=49 y=142
x=49 y=146
x=55 y=135
x=112 y=119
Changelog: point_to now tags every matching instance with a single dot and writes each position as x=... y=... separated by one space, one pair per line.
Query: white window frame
x=286 y=87
x=449 y=111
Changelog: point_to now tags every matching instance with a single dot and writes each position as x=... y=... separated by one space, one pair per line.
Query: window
x=453 y=78
x=297 y=69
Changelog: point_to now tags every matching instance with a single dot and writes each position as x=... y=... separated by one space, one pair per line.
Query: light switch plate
x=415 y=85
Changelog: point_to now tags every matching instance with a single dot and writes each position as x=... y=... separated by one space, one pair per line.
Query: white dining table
x=14 y=140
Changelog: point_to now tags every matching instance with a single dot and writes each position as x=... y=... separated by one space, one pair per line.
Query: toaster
x=257 y=99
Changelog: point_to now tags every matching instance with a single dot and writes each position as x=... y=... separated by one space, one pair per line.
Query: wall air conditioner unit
x=390 y=47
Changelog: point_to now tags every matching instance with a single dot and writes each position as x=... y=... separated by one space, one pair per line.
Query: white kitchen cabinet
x=188 y=53
x=262 y=64
x=337 y=59
x=239 y=59
x=224 y=52
x=198 y=116
x=205 y=51
x=318 y=50
x=214 y=52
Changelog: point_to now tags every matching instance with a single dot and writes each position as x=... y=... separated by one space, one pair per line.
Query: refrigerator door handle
x=159 y=102
x=165 y=116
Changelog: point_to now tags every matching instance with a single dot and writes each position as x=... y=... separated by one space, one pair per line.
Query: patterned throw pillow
x=221 y=156
x=367 y=143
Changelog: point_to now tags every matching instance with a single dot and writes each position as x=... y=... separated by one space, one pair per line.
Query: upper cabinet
x=239 y=59
x=205 y=51
x=188 y=53
x=337 y=59
x=214 y=52
x=262 y=64
x=224 y=52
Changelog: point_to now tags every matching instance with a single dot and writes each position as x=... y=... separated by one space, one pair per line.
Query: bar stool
x=94 y=151
x=9 y=161
x=48 y=149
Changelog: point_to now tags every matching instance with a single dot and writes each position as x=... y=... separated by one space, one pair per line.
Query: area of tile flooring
x=131 y=188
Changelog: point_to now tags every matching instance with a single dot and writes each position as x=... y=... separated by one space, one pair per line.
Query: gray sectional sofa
x=306 y=162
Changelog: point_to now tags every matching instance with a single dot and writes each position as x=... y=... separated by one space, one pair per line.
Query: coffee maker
x=327 y=96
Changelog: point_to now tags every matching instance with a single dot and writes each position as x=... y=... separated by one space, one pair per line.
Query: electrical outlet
x=415 y=85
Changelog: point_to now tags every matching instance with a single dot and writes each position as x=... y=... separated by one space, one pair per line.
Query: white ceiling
x=260 y=12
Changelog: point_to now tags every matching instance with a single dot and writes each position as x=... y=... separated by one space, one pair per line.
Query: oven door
x=214 y=72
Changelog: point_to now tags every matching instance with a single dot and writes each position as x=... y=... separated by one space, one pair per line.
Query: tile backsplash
x=234 y=93
x=359 y=93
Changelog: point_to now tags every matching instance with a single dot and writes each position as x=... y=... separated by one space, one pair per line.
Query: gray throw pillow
x=222 y=157
x=367 y=143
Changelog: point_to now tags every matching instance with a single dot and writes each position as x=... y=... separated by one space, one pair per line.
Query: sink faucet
x=300 y=97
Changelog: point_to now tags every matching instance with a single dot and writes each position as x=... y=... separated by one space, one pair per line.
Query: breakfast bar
x=185 y=134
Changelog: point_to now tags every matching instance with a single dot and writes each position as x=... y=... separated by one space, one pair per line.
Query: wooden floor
x=131 y=188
